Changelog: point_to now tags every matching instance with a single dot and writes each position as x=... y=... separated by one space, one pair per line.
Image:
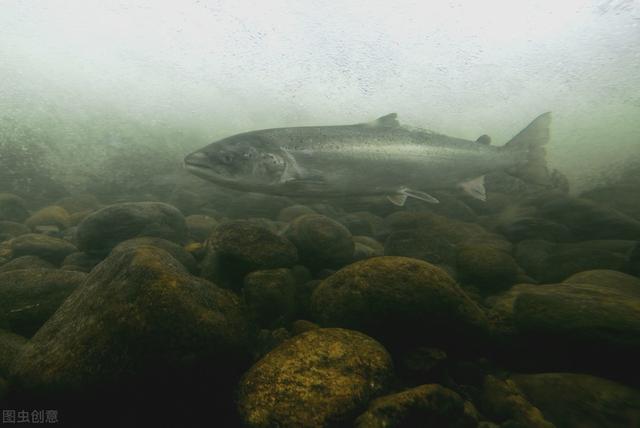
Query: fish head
x=244 y=161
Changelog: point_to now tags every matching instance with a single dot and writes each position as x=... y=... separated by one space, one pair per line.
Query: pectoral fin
x=403 y=193
x=475 y=188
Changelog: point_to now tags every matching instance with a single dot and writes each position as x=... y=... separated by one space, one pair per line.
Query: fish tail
x=528 y=147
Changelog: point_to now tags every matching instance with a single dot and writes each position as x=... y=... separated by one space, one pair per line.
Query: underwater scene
x=320 y=214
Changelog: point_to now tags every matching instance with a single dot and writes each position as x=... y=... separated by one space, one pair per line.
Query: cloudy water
x=316 y=213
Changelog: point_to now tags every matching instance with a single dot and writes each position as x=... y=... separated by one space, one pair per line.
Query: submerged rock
x=200 y=226
x=551 y=262
x=48 y=248
x=319 y=378
x=29 y=297
x=423 y=406
x=12 y=208
x=11 y=229
x=502 y=401
x=139 y=333
x=420 y=244
x=49 y=216
x=490 y=269
x=579 y=325
x=11 y=345
x=178 y=253
x=102 y=230
x=238 y=247
x=26 y=262
x=80 y=261
x=581 y=401
x=270 y=296
x=290 y=213
x=393 y=298
x=321 y=241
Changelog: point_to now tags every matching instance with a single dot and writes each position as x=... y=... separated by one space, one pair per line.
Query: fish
x=378 y=158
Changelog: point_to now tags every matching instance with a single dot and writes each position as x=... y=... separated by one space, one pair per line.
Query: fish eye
x=226 y=158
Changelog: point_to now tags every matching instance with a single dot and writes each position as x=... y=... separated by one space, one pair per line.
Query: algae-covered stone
x=200 y=226
x=48 y=248
x=82 y=202
x=486 y=267
x=179 y=253
x=320 y=378
x=11 y=345
x=138 y=331
x=424 y=406
x=11 y=229
x=12 y=208
x=605 y=278
x=102 y=230
x=270 y=296
x=581 y=401
x=29 y=297
x=290 y=213
x=321 y=241
x=579 y=325
x=420 y=244
x=26 y=262
x=80 y=261
x=238 y=247
x=399 y=300
x=503 y=401
x=49 y=216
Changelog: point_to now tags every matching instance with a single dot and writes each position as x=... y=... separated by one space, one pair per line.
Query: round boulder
x=102 y=230
x=400 y=301
x=12 y=208
x=48 y=248
x=316 y=379
x=321 y=241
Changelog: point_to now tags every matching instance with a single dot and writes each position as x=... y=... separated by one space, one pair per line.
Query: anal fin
x=400 y=198
x=397 y=199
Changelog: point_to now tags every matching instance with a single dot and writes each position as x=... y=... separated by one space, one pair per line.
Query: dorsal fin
x=389 y=121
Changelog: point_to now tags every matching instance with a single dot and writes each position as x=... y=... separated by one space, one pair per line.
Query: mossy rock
x=321 y=241
x=29 y=297
x=425 y=405
x=320 y=378
x=270 y=297
x=26 y=262
x=103 y=229
x=12 y=208
x=399 y=301
x=491 y=270
x=49 y=216
x=48 y=248
x=140 y=333
x=575 y=400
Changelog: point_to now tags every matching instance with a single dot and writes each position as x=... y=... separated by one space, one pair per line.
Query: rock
x=316 y=379
x=238 y=247
x=550 y=262
x=26 y=262
x=80 y=261
x=580 y=400
x=372 y=243
x=587 y=220
x=520 y=229
x=302 y=326
x=389 y=297
x=579 y=325
x=200 y=226
x=29 y=297
x=12 y=208
x=140 y=333
x=81 y=202
x=270 y=296
x=421 y=244
x=11 y=229
x=452 y=207
x=425 y=405
x=423 y=365
x=633 y=262
x=267 y=340
x=604 y=278
x=621 y=197
x=10 y=347
x=321 y=241
x=491 y=270
x=362 y=223
x=49 y=216
x=172 y=248
x=502 y=401
x=290 y=213
x=48 y=248
x=102 y=230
